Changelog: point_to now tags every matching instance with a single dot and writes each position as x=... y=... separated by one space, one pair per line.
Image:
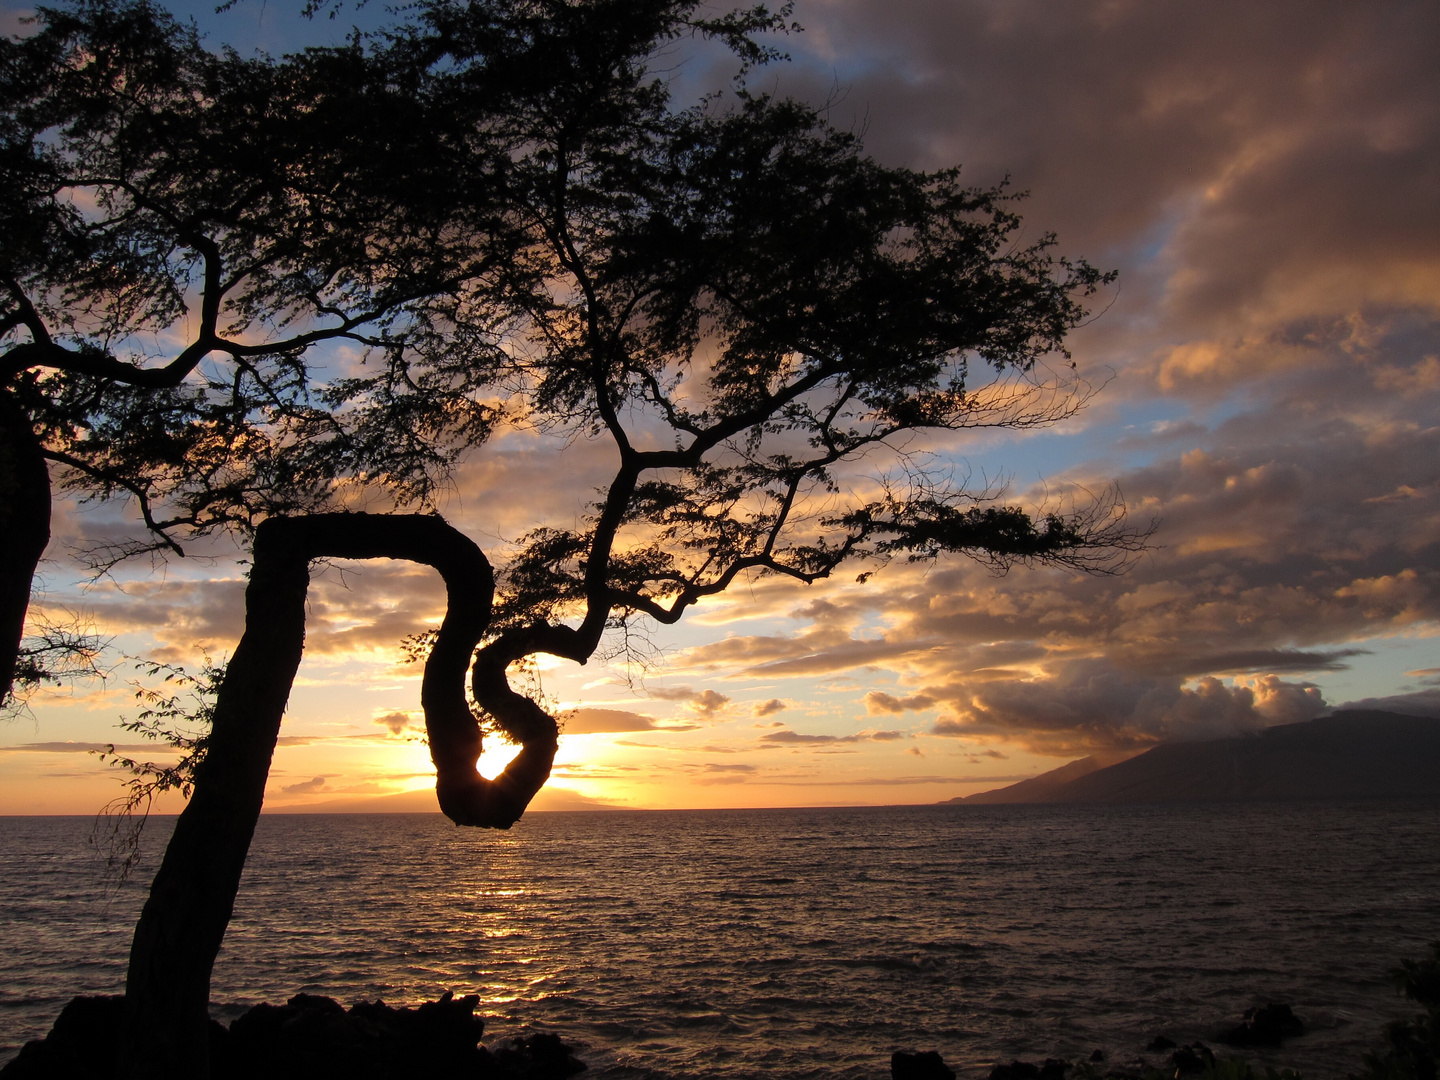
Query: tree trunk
x=24 y=529
x=167 y=988
x=167 y=991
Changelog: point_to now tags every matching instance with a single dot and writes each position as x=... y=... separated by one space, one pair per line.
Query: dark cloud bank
x=1265 y=178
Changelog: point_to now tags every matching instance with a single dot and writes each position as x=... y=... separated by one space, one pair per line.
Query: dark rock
x=541 y=1056
x=1016 y=1070
x=1266 y=1026
x=32 y=1063
x=1097 y=1055
x=1195 y=1058
x=83 y=1044
x=926 y=1065
x=1053 y=1069
x=1160 y=1043
x=312 y=1035
x=309 y=1037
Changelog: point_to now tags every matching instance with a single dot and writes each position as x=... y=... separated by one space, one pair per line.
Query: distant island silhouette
x=1352 y=753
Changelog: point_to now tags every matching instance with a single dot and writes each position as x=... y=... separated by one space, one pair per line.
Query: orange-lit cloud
x=707 y=704
x=588 y=721
x=1264 y=178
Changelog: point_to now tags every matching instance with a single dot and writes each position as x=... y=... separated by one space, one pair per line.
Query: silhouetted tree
x=731 y=301
x=182 y=231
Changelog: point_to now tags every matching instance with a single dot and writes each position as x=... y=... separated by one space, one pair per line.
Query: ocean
x=790 y=943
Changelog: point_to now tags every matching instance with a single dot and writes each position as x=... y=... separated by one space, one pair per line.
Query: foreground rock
x=1051 y=1069
x=1267 y=1025
x=308 y=1037
x=926 y=1065
x=1270 y=1025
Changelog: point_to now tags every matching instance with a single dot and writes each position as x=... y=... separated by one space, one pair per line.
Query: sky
x=1266 y=180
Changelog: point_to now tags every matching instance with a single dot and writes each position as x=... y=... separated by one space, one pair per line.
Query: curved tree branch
x=184 y=920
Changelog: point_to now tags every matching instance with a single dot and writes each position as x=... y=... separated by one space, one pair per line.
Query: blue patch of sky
x=278 y=26
x=852 y=67
x=1383 y=671
x=1147 y=249
x=1130 y=437
x=271 y=26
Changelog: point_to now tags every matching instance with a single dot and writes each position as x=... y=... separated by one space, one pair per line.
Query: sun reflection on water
x=719 y=944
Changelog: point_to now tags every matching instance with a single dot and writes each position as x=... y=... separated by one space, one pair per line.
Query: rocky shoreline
x=310 y=1036
x=1163 y=1059
x=314 y=1036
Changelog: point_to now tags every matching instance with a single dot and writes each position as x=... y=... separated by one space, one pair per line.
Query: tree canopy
x=499 y=211
x=182 y=229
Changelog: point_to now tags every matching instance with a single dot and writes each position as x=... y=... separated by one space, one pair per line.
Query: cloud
x=590 y=721
x=846 y=657
x=306 y=787
x=355 y=606
x=901 y=781
x=370 y=605
x=707 y=704
x=878 y=702
x=795 y=738
x=1253 y=161
x=1417 y=703
x=397 y=723
x=1273 y=565
x=711 y=773
x=1262 y=175
x=1091 y=705
x=181 y=613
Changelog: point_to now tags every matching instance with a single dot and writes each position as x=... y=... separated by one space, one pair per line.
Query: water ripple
x=789 y=943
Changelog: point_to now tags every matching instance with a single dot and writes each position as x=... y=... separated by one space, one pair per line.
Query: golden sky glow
x=1264 y=177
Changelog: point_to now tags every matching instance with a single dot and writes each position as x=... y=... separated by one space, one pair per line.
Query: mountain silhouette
x=1350 y=754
